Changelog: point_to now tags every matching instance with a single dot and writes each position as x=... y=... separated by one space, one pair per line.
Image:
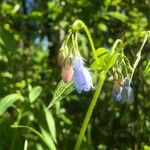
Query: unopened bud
x=61 y=58
x=67 y=73
x=116 y=87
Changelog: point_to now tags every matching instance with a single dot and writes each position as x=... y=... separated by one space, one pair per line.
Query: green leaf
x=48 y=138
x=39 y=146
x=146 y=147
x=34 y=93
x=50 y=123
x=118 y=15
x=8 y=101
x=25 y=145
x=62 y=90
x=34 y=131
x=34 y=15
x=8 y=41
x=103 y=56
x=105 y=59
x=112 y=60
x=147 y=69
x=102 y=51
x=65 y=119
x=47 y=125
x=102 y=27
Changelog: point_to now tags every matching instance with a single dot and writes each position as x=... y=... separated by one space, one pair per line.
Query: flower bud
x=61 y=58
x=116 y=87
x=116 y=94
x=67 y=73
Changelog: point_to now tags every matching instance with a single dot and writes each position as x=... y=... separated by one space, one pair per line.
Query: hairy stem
x=89 y=113
x=138 y=55
x=77 y=25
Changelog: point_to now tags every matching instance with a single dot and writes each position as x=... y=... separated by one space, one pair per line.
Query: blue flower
x=117 y=88
x=116 y=96
x=77 y=62
x=82 y=77
x=127 y=92
x=123 y=94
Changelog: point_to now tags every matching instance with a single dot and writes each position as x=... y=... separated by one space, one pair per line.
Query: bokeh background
x=31 y=33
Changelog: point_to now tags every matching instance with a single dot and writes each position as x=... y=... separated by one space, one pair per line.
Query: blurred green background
x=31 y=33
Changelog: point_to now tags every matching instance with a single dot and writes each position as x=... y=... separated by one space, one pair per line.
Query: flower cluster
x=122 y=91
x=74 y=68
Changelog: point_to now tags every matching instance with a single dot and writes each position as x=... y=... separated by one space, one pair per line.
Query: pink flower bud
x=67 y=73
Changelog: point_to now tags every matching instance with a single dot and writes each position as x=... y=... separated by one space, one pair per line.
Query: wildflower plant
x=76 y=75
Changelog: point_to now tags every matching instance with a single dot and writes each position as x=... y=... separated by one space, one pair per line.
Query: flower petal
x=77 y=63
x=116 y=96
x=82 y=77
x=83 y=80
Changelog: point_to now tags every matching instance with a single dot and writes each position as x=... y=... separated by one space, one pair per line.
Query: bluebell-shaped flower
x=127 y=92
x=82 y=77
x=116 y=96
x=117 y=89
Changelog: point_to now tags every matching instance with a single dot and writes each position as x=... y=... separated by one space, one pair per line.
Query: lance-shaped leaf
x=62 y=90
x=34 y=93
x=8 y=101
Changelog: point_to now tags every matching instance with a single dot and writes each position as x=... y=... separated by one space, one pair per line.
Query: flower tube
x=82 y=77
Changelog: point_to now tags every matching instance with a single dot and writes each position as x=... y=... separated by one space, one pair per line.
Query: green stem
x=76 y=41
x=138 y=55
x=78 y=24
x=15 y=131
x=96 y=94
x=89 y=113
x=75 y=50
x=116 y=44
x=126 y=71
x=91 y=41
x=34 y=131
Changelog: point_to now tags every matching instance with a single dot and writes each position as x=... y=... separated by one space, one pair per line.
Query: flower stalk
x=84 y=82
x=138 y=55
x=89 y=113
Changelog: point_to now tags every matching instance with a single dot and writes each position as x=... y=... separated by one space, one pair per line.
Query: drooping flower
x=116 y=96
x=123 y=93
x=67 y=73
x=82 y=77
x=127 y=92
x=117 y=89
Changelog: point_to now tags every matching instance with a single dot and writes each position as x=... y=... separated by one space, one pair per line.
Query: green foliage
x=7 y=40
x=31 y=33
x=62 y=90
x=103 y=58
x=51 y=124
x=118 y=16
x=8 y=101
x=34 y=93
